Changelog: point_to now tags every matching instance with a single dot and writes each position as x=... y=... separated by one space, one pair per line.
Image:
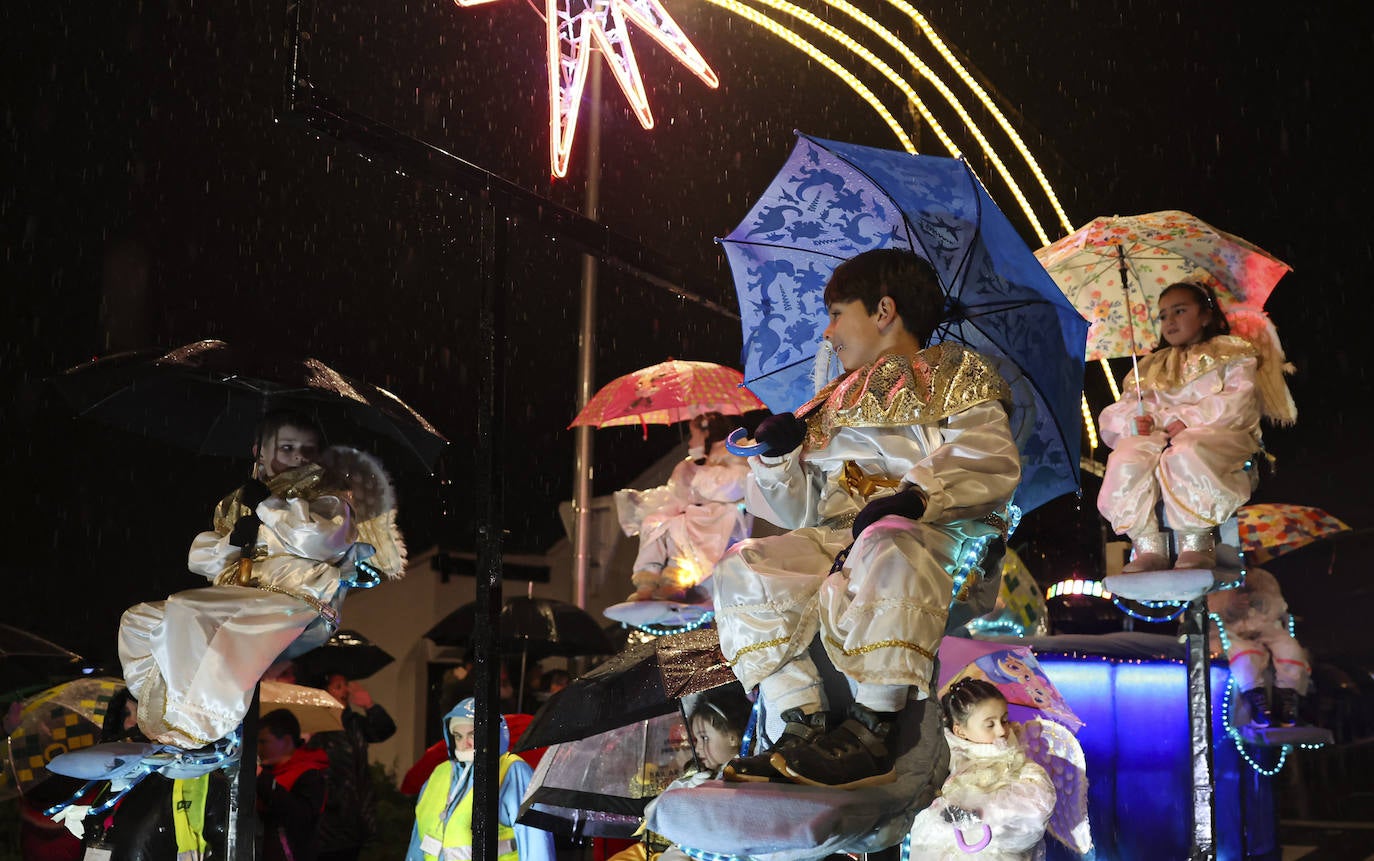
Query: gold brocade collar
x=898 y=390
x=1174 y=367
x=305 y=482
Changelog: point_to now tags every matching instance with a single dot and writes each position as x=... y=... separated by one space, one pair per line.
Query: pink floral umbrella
x=668 y=393
x=1271 y=530
x=1010 y=668
x=1160 y=248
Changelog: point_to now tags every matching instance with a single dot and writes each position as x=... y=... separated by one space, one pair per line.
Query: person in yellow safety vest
x=443 y=815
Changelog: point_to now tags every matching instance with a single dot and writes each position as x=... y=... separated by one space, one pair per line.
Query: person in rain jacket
x=350 y=812
x=443 y=814
x=291 y=789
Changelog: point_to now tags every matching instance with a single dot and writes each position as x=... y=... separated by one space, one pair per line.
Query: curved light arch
x=886 y=71
x=940 y=48
x=795 y=40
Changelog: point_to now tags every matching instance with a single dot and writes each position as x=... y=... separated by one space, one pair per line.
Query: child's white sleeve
x=1118 y=420
x=974 y=470
x=211 y=554
x=782 y=491
x=321 y=529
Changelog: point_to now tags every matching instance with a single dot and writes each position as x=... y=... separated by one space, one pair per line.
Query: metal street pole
x=586 y=358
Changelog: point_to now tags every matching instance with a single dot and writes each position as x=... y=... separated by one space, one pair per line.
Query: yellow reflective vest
x=452 y=840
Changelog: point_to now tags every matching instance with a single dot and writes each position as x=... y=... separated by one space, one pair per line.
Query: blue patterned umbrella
x=832 y=201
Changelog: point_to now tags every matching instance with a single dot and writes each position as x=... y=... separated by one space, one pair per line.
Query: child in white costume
x=686 y=525
x=994 y=791
x=283 y=553
x=1254 y=619
x=906 y=456
x=1203 y=392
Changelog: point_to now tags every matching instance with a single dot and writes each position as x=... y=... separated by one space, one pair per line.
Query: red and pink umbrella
x=667 y=393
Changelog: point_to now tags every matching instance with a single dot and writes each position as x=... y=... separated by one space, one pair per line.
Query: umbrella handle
x=977 y=845
x=734 y=445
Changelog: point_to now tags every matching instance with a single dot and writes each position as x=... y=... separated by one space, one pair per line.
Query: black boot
x=1285 y=707
x=801 y=730
x=852 y=755
x=1258 y=700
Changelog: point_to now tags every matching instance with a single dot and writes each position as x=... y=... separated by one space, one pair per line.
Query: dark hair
x=964 y=696
x=1206 y=298
x=282 y=723
x=274 y=420
x=716 y=426
x=112 y=727
x=723 y=711
x=895 y=272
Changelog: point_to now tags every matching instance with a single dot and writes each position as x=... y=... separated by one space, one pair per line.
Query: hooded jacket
x=454 y=779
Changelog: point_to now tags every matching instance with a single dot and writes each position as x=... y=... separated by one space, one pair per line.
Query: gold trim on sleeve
x=757 y=647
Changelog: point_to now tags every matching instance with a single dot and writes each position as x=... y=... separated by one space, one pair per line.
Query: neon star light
x=576 y=28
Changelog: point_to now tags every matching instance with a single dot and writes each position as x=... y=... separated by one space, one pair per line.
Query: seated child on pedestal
x=1254 y=631
x=686 y=525
x=284 y=551
x=1203 y=392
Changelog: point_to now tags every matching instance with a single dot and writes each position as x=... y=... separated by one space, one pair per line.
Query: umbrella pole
x=520 y=694
x=241 y=821
x=1130 y=327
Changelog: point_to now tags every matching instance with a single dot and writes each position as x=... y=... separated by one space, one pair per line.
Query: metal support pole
x=491 y=406
x=586 y=358
x=242 y=822
x=1204 y=843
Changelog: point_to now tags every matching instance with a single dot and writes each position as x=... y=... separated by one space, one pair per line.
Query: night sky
x=154 y=199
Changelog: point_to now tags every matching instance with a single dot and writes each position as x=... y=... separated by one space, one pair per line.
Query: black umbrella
x=537 y=628
x=208 y=397
x=533 y=628
x=347 y=653
x=27 y=660
x=643 y=681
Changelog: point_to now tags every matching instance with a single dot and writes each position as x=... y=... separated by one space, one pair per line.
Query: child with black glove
x=906 y=457
x=284 y=550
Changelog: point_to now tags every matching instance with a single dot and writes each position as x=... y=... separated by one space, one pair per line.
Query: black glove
x=781 y=433
x=252 y=493
x=992 y=556
x=245 y=531
x=910 y=503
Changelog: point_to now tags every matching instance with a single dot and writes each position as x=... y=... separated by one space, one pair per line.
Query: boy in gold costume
x=903 y=460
